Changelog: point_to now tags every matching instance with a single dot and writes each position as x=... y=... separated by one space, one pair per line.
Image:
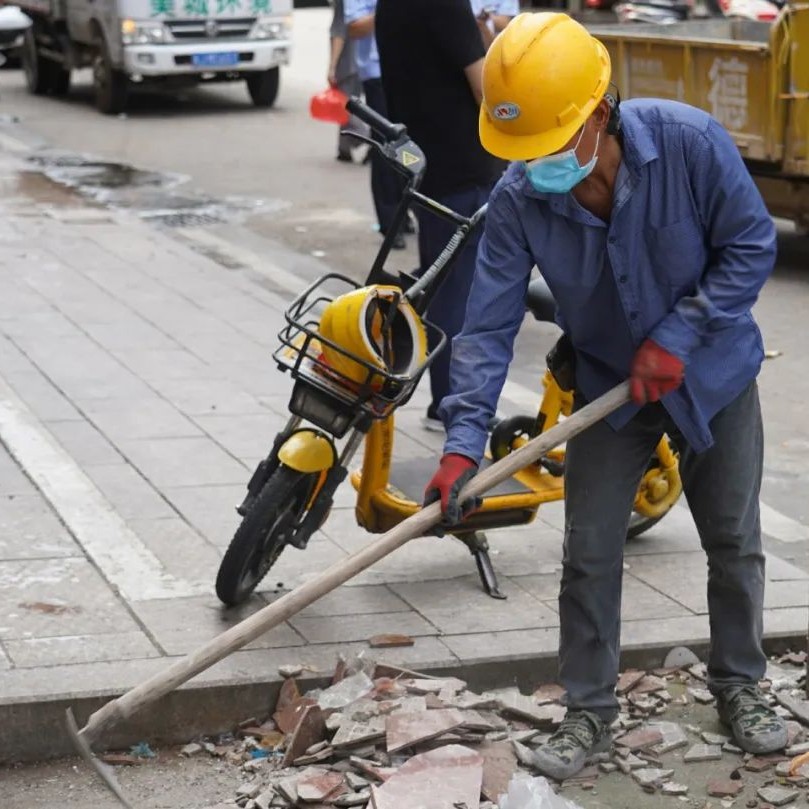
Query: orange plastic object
x=330 y=106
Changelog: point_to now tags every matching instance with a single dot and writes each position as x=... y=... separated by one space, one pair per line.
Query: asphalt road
x=286 y=196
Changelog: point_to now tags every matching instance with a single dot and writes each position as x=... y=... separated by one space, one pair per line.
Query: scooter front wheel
x=266 y=529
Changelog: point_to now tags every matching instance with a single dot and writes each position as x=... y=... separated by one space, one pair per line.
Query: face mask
x=559 y=173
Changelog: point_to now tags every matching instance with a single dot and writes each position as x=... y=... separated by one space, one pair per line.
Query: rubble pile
x=382 y=737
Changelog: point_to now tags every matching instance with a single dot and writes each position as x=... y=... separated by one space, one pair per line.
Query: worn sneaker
x=756 y=727
x=582 y=734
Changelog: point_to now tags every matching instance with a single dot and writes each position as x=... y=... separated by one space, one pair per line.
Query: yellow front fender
x=308 y=451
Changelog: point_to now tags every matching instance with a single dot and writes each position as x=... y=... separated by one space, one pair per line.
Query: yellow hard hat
x=354 y=321
x=542 y=78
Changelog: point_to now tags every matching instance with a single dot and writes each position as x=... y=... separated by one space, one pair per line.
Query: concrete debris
x=446 y=777
x=724 y=788
x=680 y=657
x=383 y=737
x=777 y=796
x=652 y=777
x=390 y=641
x=290 y=671
x=703 y=752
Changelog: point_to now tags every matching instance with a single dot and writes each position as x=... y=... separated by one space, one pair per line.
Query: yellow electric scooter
x=356 y=354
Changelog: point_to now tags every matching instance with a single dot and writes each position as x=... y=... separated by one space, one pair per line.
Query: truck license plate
x=215 y=59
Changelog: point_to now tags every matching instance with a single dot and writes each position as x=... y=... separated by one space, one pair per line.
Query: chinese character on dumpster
x=261 y=7
x=223 y=6
x=197 y=8
x=162 y=7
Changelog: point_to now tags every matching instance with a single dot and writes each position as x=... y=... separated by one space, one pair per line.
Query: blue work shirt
x=366 y=54
x=687 y=249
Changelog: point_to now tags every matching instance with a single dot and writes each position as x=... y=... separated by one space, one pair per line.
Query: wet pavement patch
x=155 y=196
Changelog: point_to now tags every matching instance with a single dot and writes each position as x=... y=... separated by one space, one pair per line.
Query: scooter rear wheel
x=264 y=532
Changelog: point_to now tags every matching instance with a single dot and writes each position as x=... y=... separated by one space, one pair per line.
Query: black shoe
x=399 y=242
x=344 y=157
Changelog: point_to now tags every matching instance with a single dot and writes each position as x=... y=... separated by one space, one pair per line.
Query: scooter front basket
x=324 y=395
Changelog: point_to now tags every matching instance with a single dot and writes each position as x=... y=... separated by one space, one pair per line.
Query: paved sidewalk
x=137 y=392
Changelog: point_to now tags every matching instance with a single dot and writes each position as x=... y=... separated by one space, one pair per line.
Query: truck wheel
x=263 y=87
x=38 y=69
x=111 y=85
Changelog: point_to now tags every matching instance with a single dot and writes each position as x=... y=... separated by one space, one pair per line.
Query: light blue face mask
x=559 y=173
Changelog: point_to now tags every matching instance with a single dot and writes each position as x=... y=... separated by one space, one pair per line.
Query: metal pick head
x=103 y=770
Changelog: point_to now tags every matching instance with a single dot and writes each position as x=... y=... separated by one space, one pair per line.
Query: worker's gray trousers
x=602 y=471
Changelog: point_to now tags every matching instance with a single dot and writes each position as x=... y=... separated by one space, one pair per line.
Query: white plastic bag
x=525 y=792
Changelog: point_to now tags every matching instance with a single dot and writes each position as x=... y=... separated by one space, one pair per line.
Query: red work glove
x=655 y=372
x=451 y=477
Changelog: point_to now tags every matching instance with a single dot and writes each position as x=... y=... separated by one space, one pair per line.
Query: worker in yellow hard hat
x=655 y=243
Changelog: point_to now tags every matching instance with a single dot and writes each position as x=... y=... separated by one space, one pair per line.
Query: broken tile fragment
x=390 y=641
x=448 y=777
x=628 y=680
x=525 y=708
x=289 y=717
x=680 y=657
x=549 y=692
x=702 y=752
x=371 y=768
x=191 y=749
x=353 y=798
x=729 y=747
x=701 y=695
x=640 y=738
x=348 y=690
x=499 y=765
x=714 y=738
x=777 y=796
x=290 y=670
x=652 y=776
x=797 y=749
x=674 y=737
x=433 y=686
x=318 y=785
x=672 y=788
x=724 y=788
x=407 y=729
x=607 y=766
x=310 y=730
x=350 y=733
x=247 y=791
x=648 y=684
x=756 y=764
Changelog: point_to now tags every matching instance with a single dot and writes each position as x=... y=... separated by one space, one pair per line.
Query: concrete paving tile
x=780 y=570
x=544 y=588
x=791 y=620
x=55 y=597
x=182 y=550
x=30 y=530
x=188 y=461
x=129 y=493
x=786 y=594
x=48 y=323
x=211 y=510
x=5 y=663
x=42 y=397
x=182 y=624
x=131 y=419
x=12 y=360
x=205 y=396
x=245 y=436
x=682 y=577
x=509 y=645
x=356 y=600
x=296 y=567
x=438 y=603
x=73 y=649
x=133 y=332
x=323 y=628
x=676 y=532
x=162 y=363
x=681 y=631
x=84 y=443
x=13 y=480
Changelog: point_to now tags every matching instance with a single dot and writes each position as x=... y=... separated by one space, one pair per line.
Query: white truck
x=169 y=42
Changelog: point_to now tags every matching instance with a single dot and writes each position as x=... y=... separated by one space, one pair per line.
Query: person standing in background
x=386 y=185
x=493 y=16
x=343 y=75
x=431 y=55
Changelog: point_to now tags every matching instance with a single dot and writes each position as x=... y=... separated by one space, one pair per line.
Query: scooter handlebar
x=381 y=125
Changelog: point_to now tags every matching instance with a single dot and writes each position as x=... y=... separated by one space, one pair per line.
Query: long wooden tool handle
x=418 y=525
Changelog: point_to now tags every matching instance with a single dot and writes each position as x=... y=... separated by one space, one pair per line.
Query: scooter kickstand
x=479 y=548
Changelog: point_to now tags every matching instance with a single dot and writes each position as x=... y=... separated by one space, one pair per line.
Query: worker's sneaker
x=756 y=727
x=581 y=735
